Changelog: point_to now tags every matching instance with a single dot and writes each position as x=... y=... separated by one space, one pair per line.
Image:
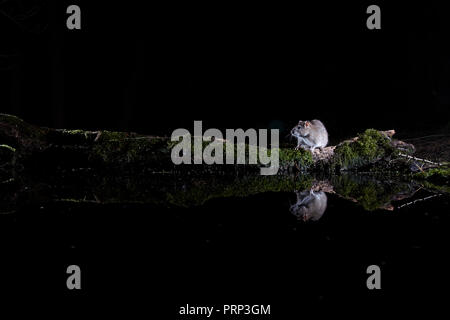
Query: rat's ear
x=307 y=124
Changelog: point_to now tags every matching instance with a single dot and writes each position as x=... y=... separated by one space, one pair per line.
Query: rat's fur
x=310 y=205
x=310 y=135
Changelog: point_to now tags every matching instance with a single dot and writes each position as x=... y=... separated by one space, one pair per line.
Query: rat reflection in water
x=311 y=205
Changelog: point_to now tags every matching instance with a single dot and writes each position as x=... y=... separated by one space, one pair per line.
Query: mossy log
x=86 y=187
x=43 y=165
x=28 y=147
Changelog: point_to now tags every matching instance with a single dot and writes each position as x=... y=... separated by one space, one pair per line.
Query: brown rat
x=311 y=205
x=310 y=135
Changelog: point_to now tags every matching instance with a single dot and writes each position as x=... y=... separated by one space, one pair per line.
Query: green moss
x=300 y=159
x=203 y=190
x=368 y=148
x=121 y=147
x=117 y=148
x=21 y=127
x=74 y=132
x=8 y=148
x=167 y=190
x=77 y=133
x=369 y=192
x=436 y=187
x=302 y=156
x=435 y=172
x=288 y=157
x=113 y=135
x=437 y=176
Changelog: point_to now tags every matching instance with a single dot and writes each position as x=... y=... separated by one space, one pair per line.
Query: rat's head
x=302 y=212
x=302 y=129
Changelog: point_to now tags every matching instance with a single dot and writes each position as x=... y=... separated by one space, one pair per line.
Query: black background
x=154 y=68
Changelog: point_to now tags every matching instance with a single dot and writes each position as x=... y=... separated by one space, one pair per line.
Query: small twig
x=420 y=167
x=419 y=159
x=425 y=137
x=418 y=200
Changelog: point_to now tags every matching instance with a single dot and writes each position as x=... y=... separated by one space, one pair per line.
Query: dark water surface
x=249 y=250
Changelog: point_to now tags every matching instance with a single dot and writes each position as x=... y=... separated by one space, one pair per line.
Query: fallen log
x=45 y=148
x=88 y=187
x=42 y=165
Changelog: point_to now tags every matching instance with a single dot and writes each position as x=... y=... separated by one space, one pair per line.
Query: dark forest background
x=154 y=68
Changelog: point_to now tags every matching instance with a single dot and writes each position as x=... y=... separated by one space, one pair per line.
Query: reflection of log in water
x=419 y=200
x=40 y=165
x=371 y=192
x=37 y=147
x=81 y=187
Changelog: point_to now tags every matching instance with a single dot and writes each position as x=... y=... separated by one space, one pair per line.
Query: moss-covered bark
x=38 y=165
x=151 y=189
x=372 y=192
x=371 y=146
x=36 y=147
x=368 y=191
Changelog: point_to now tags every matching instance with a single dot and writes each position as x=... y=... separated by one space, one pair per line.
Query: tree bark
x=41 y=165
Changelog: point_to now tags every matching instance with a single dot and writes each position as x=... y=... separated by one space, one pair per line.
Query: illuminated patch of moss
x=8 y=148
x=79 y=133
x=74 y=132
x=21 y=125
x=302 y=156
x=300 y=159
x=172 y=190
x=370 y=193
x=436 y=187
x=368 y=148
x=438 y=175
x=18 y=134
x=121 y=147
